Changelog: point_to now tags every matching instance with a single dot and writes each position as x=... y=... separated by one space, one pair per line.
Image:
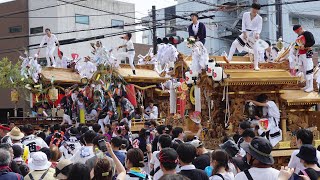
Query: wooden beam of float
x=144 y=74
x=60 y=75
x=299 y=97
x=262 y=77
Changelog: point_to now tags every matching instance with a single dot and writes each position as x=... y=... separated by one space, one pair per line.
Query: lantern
x=14 y=96
x=53 y=94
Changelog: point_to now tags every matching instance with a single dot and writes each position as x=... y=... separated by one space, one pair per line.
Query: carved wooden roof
x=262 y=77
x=60 y=75
x=144 y=74
x=299 y=97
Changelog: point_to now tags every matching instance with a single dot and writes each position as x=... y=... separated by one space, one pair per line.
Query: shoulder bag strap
x=220 y=175
x=246 y=172
x=44 y=175
x=31 y=177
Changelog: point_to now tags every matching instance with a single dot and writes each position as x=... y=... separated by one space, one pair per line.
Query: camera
x=102 y=145
x=57 y=135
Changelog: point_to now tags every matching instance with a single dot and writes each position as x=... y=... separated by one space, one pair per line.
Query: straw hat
x=15 y=134
x=63 y=169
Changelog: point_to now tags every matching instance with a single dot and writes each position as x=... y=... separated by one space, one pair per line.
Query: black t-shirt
x=313 y=174
x=194 y=174
x=309 y=39
x=202 y=161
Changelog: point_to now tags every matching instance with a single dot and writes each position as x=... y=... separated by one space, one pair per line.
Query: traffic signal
x=175 y=40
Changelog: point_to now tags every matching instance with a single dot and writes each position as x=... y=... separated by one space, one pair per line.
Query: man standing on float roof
x=51 y=41
x=251 y=29
x=197 y=29
x=305 y=41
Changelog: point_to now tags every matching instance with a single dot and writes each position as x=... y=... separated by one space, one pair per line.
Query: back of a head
x=73 y=131
x=28 y=129
x=116 y=142
x=4 y=157
x=305 y=136
x=222 y=159
x=160 y=129
x=256 y=6
x=79 y=171
x=56 y=127
x=245 y=125
x=135 y=156
x=186 y=152
x=17 y=151
x=55 y=153
x=262 y=98
x=129 y=35
x=89 y=136
x=96 y=127
x=176 y=131
x=84 y=129
x=248 y=133
x=168 y=158
x=103 y=170
x=173 y=177
x=165 y=140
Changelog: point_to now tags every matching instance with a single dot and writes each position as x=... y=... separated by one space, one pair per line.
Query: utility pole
x=279 y=18
x=154 y=30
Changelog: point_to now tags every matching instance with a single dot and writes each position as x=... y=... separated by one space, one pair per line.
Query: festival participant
x=200 y=56
x=130 y=50
x=135 y=163
x=270 y=53
x=260 y=159
x=197 y=29
x=305 y=41
x=270 y=111
x=51 y=41
x=86 y=68
x=3 y=131
x=79 y=171
x=151 y=112
x=308 y=156
x=127 y=110
x=187 y=153
x=116 y=143
x=71 y=145
x=6 y=173
x=34 y=143
x=63 y=168
x=203 y=155
x=219 y=162
x=40 y=167
x=164 y=142
x=303 y=137
x=168 y=159
x=178 y=135
x=85 y=152
x=66 y=104
x=108 y=113
x=62 y=61
x=251 y=29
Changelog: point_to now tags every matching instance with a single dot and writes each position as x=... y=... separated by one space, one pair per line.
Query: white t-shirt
x=295 y=161
x=129 y=45
x=34 y=143
x=156 y=163
x=273 y=114
x=259 y=174
x=69 y=147
x=82 y=155
x=254 y=25
x=153 y=112
x=226 y=176
x=195 y=28
x=51 y=41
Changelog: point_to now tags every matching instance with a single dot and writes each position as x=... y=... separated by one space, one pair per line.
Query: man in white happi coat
x=251 y=29
x=151 y=112
x=51 y=41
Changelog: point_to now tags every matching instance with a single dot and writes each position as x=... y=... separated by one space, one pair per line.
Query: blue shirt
x=120 y=155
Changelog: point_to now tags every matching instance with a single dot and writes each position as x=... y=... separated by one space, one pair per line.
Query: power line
x=96 y=9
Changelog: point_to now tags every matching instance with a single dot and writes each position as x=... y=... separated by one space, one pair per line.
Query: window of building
x=36 y=30
x=15 y=29
x=295 y=20
x=117 y=24
x=317 y=23
x=82 y=19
